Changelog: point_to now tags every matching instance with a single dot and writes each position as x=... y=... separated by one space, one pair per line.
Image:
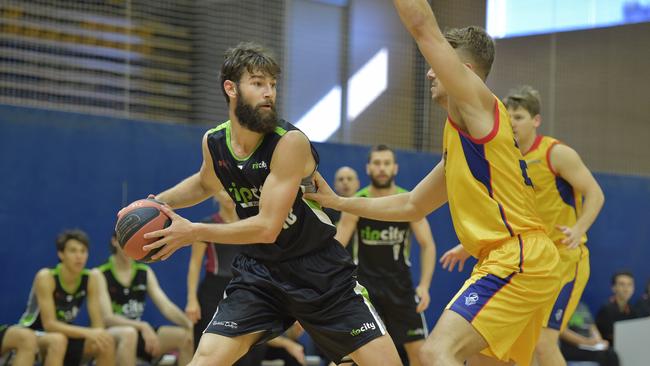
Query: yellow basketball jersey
x=557 y=202
x=491 y=197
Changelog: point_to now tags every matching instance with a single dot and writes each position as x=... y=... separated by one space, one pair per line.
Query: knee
x=110 y=342
x=57 y=343
x=547 y=343
x=129 y=335
x=432 y=352
x=26 y=339
x=188 y=338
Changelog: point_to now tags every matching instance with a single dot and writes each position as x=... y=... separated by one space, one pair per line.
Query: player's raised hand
x=456 y=255
x=177 y=235
x=324 y=194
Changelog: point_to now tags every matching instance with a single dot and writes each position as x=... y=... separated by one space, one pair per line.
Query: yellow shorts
x=574 y=270
x=510 y=290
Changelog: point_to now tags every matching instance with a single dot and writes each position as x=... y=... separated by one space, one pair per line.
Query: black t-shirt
x=384 y=246
x=306 y=229
x=66 y=304
x=610 y=314
x=127 y=300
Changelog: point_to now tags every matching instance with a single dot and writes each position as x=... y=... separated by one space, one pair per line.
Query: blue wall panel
x=61 y=170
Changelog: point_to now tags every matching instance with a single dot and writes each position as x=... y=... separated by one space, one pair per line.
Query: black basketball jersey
x=306 y=229
x=128 y=301
x=384 y=246
x=66 y=304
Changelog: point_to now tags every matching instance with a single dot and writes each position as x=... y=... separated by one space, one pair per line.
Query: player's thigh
x=215 y=349
x=15 y=337
x=454 y=335
x=49 y=341
x=380 y=351
x=172 y=337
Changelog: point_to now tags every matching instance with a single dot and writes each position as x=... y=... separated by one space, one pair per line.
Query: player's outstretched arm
x=427 y=196
x=345 y=228
x=422 y=232
x=167 y=308
x=471 y=101
x=195 y=188
x=567 y=164
x=292 y=160
x=193 y=308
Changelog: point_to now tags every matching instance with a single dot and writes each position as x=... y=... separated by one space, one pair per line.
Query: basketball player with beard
x=291 y=267
x=383 y=258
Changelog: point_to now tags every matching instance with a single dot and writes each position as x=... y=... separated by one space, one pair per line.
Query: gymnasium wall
x=63 y=170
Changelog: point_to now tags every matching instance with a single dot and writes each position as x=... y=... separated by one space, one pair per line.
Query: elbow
x=270 y=234
x=49 y=326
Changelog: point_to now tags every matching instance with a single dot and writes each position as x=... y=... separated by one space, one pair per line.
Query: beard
x=380 y=185
x=254 y=119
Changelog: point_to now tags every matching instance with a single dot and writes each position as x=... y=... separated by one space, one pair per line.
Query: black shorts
x=396 y=302
x=75 y=352
x=319 y=290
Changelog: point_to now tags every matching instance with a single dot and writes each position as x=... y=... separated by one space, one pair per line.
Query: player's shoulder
x=217 y=131
x=45 y=278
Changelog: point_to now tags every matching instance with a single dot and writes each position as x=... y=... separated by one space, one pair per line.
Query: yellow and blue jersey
x=491 y=196
x=558 y=203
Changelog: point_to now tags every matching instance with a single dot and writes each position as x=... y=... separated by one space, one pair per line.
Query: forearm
x=574 y=338
x=389 y=208
x=69 y=330
x=121 y=320
x=417 y=17
x=187 y=193
x=427 y=265
x=280 y=342
x=176 y=316
x=254 y=230
x=192 y=282
x=592 y=204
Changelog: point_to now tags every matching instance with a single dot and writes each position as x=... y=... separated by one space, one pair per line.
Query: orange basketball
x=135 y=220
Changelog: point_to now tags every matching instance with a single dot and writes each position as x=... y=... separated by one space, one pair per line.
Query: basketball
x=135 y=220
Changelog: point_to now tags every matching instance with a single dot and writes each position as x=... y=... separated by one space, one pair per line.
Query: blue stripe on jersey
x=480 y=168
x=478 y=294
x=566 y=191
x=476 y=161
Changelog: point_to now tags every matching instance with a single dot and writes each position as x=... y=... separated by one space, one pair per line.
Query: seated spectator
x=618 y=308
x=643 y=305
x=581 y=341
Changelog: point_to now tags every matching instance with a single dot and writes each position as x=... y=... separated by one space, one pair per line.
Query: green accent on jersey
x=280 y=131
x=229 y=144
x=313 y=204
x=219 y=127
x=27 y=320
x=365 y=191
x=134 y=269
x=57 y=271
x=227 y=125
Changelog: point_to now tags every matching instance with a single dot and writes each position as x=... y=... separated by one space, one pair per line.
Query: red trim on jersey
x=489 y=136
x=535 y=145
x=548 y=156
